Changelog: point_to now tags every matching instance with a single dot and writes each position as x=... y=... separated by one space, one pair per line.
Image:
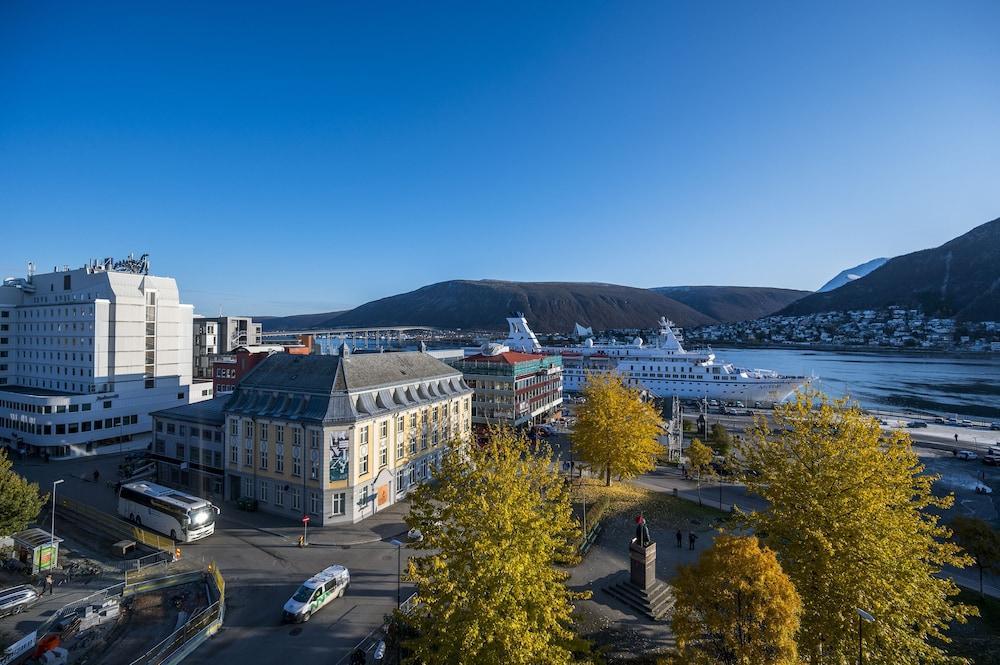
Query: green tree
x=616 y=431
x=735 y=606
x=848 y=517
x=720 y=439
x=495 y=521
x=699 y=461
x=20 y=501
x=981 y=541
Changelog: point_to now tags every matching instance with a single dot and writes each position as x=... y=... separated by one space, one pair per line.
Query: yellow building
x=339 y=438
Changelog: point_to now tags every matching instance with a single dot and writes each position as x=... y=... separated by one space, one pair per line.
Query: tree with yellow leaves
x=848 y=517
x=699 y=458
x=616 y=431
x=735 y=606
x=496 y=519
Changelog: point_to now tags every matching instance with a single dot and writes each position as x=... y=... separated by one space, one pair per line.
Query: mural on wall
x=340 y=456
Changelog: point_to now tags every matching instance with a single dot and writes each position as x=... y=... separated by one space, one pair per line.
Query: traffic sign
x=305 y=519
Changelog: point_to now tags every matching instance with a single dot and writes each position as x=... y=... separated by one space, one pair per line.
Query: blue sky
x=282 y=157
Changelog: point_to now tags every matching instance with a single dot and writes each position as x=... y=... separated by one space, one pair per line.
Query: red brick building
x=229 y=368
x=511 y=387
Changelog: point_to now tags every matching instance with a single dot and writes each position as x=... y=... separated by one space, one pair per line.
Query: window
x=279 y=495
x=296 y=460
x=248 y=429
x=296 y=500
x=399 y=446
x=400 y=424
x=315 y=502
x=263 y=455
x=363 y=435
x=247 y=486
x=279 y=458
x=234 y=427
x=180 y=451
x=383 y=456
x=338 y=504
x=234 y=454
x=383 y=429
x=314 y=456
x=263 y=432
x=400 y=480
x=248 y=453
x=265 y=487
x=363 y=468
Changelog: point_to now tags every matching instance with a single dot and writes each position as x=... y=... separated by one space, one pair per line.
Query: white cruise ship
x=663 y=367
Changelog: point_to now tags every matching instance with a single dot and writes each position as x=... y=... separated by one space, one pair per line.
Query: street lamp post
x=52 y=533
x=863 y=617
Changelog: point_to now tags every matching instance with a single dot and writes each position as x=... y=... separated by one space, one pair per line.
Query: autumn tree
x=494 y=522
x=616 y=431
x=20 y=501
x=699 y=458
x=848 y=517
x=981 y=541
x=735 y=606
x=720 y=439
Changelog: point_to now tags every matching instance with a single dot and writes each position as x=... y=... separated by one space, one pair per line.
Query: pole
x=861 y=654
x=399 y=574
x=305 y=532
x=52 y=533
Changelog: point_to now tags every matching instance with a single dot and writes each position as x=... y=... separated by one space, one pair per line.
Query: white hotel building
x=87 y=354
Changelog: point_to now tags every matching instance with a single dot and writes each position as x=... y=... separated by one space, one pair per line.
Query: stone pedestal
x=643 y=564
x=642 y=591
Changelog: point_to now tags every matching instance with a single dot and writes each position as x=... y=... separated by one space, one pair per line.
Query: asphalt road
x=263 y=566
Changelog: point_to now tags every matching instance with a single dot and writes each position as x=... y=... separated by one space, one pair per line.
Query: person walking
x=48 y=584
x=680 y=539
x=97 y=475
x=691 y=538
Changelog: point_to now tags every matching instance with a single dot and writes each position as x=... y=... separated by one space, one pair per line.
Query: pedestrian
x=48 y=584
x=691 y=538
x=97 y=475
x=680 y=539
x=956 y=437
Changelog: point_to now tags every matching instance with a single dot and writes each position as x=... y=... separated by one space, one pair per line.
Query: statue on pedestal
x=642 y=532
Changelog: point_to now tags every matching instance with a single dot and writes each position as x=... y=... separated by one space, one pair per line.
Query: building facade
x=188 y=447
x=341 y=437
x=512 y=388
x=217 y=335
x=228 y=369
x=87 y=354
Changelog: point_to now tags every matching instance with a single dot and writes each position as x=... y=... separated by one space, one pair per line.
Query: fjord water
x=963 y=385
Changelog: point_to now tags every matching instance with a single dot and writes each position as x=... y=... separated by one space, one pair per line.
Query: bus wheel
x=173 y=535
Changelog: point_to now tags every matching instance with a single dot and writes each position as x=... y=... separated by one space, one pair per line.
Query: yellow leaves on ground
x=736 y=606
x=497 y=517
x=616 y=432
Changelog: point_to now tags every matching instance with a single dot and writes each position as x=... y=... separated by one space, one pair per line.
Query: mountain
x=727 y=304
x=961 y=278
x=297 y=321
x=485 y=304
x=851 y=274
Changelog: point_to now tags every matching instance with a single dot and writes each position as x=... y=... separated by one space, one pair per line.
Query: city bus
x=171 y=512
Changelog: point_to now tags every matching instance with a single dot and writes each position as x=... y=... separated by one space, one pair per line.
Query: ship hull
x=761 y=390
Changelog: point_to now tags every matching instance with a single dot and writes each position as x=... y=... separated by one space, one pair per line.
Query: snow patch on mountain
x=851 y=274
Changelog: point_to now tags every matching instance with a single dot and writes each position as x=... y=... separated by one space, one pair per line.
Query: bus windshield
x=303 y=594
x=203 y=517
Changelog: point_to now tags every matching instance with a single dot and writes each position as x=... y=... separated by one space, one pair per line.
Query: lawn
x=659 y=508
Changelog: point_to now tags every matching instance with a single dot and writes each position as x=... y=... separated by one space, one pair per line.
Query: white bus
x=181 y=516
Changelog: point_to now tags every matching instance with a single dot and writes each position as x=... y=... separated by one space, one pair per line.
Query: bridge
x=363 y=337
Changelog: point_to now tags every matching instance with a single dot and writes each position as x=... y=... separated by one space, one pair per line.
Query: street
x=262 y=564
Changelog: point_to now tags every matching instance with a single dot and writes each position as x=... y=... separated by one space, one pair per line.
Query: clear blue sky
x=281 y=157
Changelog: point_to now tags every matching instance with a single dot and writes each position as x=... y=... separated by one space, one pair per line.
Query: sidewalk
x=383 y=525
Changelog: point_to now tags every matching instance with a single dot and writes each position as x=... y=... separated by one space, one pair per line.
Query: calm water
x=963 y=385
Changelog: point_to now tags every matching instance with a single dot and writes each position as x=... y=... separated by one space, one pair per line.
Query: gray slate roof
x=318 y=388
x=207 y=412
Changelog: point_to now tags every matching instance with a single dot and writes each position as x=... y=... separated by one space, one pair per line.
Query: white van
x=316 y=592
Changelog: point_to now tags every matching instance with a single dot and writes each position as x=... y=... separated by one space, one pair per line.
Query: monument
x=642 y=591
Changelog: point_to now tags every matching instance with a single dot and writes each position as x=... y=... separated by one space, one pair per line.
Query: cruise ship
x=663 y=367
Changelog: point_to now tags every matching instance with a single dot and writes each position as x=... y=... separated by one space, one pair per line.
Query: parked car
x=739 y=405
x=758 y=405
x=415 y=535
x=713 y=402
x=316 y=592
x=17 y=599
x=995 y=426
x=991 y=460
x=967 y=455
x=916 y=424
x=940 y=421
x=983 y=489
